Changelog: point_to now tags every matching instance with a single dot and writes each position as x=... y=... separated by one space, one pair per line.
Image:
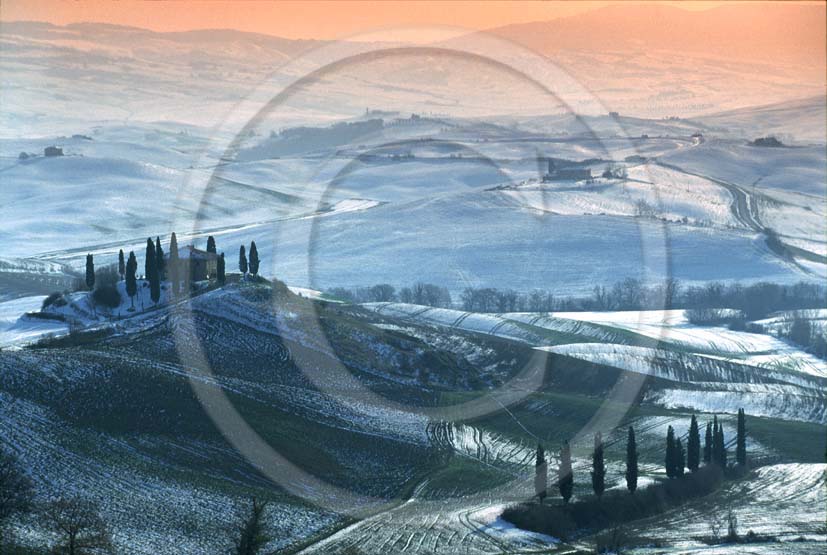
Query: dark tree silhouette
x=565 y=477
x=149 y=263
x=680 y=459
x=211 y=244
x=708 y=440
x=155 y=287
x=716 y=451
x=131 y=279
x=174 y=266
x=220 y=269
x=151 y=267
x=251 y=535
x=598 y=466
x=90 y=272
x=242 y=260
x=78 y=526
x=631 y=461
x=722 y=446
x=693 y=446
x=669 y=459
x=121 y=264
x=741 y=440
x=719 y=455
x=16 y=491
x=253 y=258
x=159 y=260
x=540 y=474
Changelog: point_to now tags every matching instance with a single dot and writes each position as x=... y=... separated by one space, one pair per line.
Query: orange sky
x=321 y=20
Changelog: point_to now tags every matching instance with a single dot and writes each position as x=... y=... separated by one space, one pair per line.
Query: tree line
x=750 y=301
x=677 y=459
x=753 y=301
x=422 y=293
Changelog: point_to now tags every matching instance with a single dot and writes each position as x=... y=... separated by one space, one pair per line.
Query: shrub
x=106 y=275
x=107 y=295
x=54 y=299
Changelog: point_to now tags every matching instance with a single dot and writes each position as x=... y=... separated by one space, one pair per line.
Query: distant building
x=767 y=141
x=566 y=174
x=635 y=159
x=614 y=115
x=200 y=265
x=573 y=174
x=52 y=151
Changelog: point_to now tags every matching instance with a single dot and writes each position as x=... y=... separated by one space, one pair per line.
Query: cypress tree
x=540 y=474
x=565 y=477
x=253 y=258
x=90 y=272
x=716 y=451
x=680 y=459
x=220 y=269
x=693 y=446
x=718 y=444
x=722 y=455
x=669 y=459
x=211 y=244
x=598 y=466
x=741 y=441
x=708 y=444
x=131 y=280
x=159 y=260
x=121 y=264
x=242 y=260
x=174 y=265
x=631 y=461
x=151 y=268
x=149 y=263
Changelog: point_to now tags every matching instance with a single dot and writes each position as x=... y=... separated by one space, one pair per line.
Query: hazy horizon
x=308 y=20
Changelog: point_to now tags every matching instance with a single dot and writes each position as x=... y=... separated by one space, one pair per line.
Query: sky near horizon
x=301 y=20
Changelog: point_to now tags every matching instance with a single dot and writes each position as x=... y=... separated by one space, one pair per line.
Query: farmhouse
x=566 y=173
x=52 y=151
x=199 y=265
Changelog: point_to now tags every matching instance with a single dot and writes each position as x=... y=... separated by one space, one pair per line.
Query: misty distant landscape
x=555 y=287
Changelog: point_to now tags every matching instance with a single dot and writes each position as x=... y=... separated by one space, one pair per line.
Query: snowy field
x=723 y=370
x=455 y=197
x=17 y=329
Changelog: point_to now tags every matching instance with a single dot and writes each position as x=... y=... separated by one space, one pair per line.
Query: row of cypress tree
x=157 y=269
x=243 y=265
x=676 y=460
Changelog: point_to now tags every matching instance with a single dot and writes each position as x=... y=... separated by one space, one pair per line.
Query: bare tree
x=383 y=293
x=731 y=526
x=16 y=490
x=715 y=526
x=78 y=527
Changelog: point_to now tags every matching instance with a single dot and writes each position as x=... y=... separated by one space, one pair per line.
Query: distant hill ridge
x=762 y=31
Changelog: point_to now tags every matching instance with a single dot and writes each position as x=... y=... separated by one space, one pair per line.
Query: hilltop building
x=199 y=265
